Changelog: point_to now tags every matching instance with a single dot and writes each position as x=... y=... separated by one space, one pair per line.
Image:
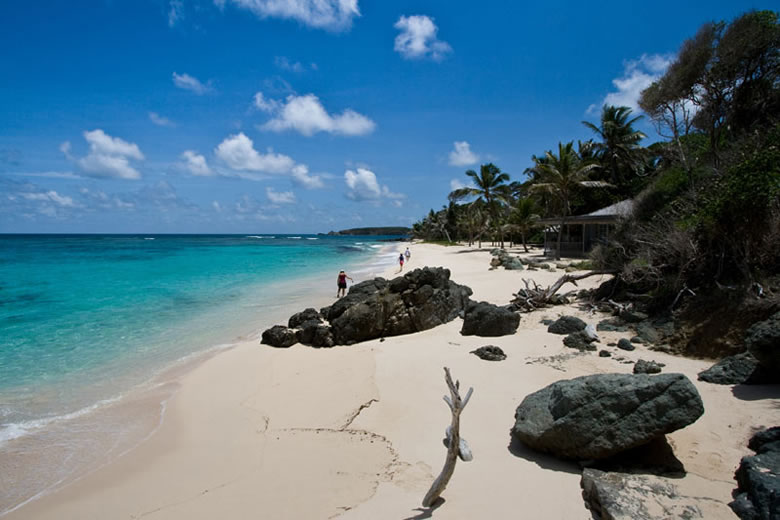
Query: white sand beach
x=355 y=432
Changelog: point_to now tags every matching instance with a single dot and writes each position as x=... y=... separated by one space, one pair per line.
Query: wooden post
x=456 y=447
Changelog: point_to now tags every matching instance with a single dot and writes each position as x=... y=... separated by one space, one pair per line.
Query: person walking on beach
x=407 y=254
x=341 y=281
x=401 y=261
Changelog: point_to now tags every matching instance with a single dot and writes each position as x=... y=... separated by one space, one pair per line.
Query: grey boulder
x=763 y=341
x=731 y=370
x=648 y=367
x=758 y=477
x=488 y=320
x=279 y=336
x=566 y=325
x=593 y=417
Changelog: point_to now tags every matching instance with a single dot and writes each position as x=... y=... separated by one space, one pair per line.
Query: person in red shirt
x=341 y=281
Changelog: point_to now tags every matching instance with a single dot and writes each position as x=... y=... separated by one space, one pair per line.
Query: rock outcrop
x=763 y=341
x=594 y=417
x=488 y=320
x=731 y=370
x=419 y=300
x=626 y=496
x=758 y=477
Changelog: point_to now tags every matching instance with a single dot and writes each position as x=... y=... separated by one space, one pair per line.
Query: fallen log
x=531 y=298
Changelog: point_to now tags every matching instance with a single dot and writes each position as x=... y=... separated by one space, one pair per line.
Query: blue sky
x=301 y=116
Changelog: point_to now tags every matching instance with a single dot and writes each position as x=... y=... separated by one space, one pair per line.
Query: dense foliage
x=706 y=200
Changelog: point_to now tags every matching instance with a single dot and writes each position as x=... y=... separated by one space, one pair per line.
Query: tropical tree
x=490 y=188
x=619 y=150
x=523 y=218
x=561 y=176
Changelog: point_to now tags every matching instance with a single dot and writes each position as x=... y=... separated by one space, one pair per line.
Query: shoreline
x=139 y=411
x=355 y=432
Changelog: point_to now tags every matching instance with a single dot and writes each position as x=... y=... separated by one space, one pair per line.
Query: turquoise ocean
x=84 y=319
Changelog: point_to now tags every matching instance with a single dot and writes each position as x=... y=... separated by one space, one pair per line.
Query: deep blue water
x=81 y=316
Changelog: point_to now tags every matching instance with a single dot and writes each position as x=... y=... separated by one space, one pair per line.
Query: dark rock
x=624 y=344
x=593 y=417
x=323 y=337
x=763 y=341
x=731 y=370
x=625 y=496
x=758 y=477
x=633 y=316
x=656 y=457
x=419 y=300
x=279 y=336
x=647 y=367
x=296 y=320
x=546 y=321
x=488 y=320
x=579 y=340
x=648 y=332
x=566 y=325
x=612 y=325
x=490 y=353
x=605 y=353
x=763 y=438
x=306 y=331
x=637 y=339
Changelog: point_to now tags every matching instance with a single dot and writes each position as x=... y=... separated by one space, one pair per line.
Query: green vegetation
x=706 y=200
x=374 y=231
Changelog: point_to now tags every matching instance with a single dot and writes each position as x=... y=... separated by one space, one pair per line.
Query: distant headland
x=397 y=230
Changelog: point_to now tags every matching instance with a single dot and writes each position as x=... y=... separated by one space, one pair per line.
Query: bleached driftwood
x=456 y=447
x=531 y=298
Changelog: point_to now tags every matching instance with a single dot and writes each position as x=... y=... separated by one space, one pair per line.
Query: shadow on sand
x=426 y=512
x=544 y=461
x=756 y=392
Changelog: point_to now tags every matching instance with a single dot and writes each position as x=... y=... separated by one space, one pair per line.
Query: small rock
x=580 y=341
x=490 y=353
x=637 y=339
x=647 y=367
x=624 y=344
x=605 y=353
x=279 y=336
x=633 y=316
x=566 y=325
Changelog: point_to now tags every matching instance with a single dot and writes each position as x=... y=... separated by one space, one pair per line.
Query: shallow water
x=86 y=319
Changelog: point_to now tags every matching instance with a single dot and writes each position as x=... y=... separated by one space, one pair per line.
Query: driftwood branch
x=456 y=446
x=531 y=298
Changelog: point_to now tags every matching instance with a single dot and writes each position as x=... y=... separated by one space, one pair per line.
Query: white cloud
x=462 y=155
x=65 y=149
x=637 y=76
x=363 y=185
x=418 y=38
x=216 y=205
x=333 y=15
x=280 y=197
x=175 y=12
x=195 y=163
x=51 y=196
x=306 y=115
x=159 y=120
x=108 y=157
x=265 y=104
x=292 y=66
x=238 y=152
x=191 y=83
x=300 y=175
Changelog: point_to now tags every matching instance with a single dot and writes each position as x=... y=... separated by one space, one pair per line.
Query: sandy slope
x=356 y=432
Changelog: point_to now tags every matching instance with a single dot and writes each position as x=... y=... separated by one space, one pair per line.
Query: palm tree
x=619 y=149
x=523 y=218
x=489 y=187
x=562 y=176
